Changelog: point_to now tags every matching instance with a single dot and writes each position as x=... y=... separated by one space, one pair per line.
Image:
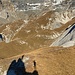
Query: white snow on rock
x=67 y=39
x=56 y=2
x=26 y=21
x=64 y=17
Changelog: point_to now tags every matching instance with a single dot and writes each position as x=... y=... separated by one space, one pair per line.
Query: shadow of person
x=35 y=72
x=12 y=68
x=18 y=68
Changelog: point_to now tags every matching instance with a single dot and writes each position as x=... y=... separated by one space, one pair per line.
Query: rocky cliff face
x=67 y=38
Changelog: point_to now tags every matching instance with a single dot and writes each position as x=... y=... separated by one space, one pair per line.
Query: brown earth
x=49 y=61
x=14 y=47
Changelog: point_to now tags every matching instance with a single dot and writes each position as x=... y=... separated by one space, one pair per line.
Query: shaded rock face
x=1 y=37
x=67 y=38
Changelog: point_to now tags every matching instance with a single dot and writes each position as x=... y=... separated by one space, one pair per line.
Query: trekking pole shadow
x=34 y=64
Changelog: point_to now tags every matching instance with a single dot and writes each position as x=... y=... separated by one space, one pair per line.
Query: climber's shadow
x=18 y=68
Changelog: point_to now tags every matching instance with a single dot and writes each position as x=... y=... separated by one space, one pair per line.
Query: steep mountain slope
x=29 y=27
x=23 y=36
x=49 y=61
x=67 y=38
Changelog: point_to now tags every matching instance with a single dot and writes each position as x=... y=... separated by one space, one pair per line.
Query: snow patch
x=64 y=17
x=56 y=2
x=28 y=31
x=22 y=42
x=26 y=21
x=45 y=4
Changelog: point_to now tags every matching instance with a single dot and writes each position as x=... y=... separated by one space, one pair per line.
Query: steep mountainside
x=29 y=30
x=67 y=38
x=24 y=36
x=49 y=61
